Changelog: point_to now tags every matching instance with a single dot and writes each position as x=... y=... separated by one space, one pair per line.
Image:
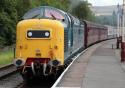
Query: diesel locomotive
x=48 y=37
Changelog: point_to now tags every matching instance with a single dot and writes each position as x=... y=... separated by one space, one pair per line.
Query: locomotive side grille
x=65 y=40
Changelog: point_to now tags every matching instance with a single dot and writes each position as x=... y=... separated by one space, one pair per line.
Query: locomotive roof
x=40 y=12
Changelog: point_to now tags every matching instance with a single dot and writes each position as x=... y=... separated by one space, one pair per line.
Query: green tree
x=22 y=7
x=8 y=20
x=82 y=11
x=61 y=4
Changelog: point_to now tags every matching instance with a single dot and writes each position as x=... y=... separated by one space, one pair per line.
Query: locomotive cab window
x=38 y=34
x=34 y=13
x=47 y=12
x=56 y=14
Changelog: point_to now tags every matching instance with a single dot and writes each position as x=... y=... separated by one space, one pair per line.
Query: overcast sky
x=105 y=2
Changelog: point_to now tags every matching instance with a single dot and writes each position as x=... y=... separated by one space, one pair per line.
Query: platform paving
x=98 y=67
x=104 y=69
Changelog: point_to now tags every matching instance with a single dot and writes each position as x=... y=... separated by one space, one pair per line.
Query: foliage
x=61 y=4
x=8 y=20
x=22 y=7
x=82 y=11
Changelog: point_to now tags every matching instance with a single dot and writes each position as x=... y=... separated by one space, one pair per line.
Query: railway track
x=9 y=77
x=7 y=71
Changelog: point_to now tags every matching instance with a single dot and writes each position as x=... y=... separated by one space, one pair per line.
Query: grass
x=6 y=57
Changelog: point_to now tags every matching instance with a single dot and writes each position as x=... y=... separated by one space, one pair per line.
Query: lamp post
x=123 y=22
x=118 y=27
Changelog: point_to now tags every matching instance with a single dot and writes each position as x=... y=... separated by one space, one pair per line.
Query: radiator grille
x=65 y=40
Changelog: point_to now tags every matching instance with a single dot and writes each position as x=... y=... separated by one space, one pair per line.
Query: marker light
x=30 y=34
x=47 y=34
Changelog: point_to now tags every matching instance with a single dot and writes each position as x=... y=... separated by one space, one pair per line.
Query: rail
x=7 y=70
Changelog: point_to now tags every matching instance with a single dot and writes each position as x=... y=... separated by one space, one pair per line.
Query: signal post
x=123 y=35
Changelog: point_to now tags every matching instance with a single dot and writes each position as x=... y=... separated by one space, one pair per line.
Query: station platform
x=98 y=67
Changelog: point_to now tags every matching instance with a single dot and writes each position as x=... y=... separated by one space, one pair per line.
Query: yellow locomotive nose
x=39 y=40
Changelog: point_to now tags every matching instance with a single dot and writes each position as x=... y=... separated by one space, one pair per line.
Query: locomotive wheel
x=61 y=69
x=27 y=76
x=55 y=75
x=27 y=79
x=36 y=68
